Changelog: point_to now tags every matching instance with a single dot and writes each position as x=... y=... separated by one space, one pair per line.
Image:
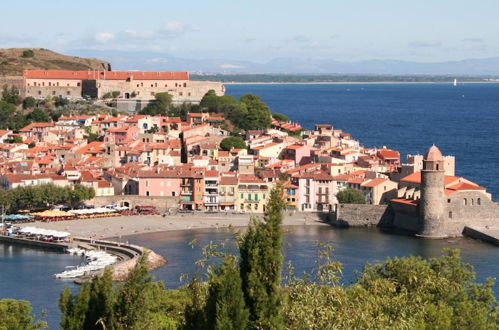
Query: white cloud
x=229 y=66
x=104 y=37
x=158 y=60
x=174 y=28
x=425 y=44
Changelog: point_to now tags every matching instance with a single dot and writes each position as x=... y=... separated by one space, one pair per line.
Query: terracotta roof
x=105 y=75
x=249 y=178
x=410 y=202
x=388 y=154
x=374 y=182
x=228 y=180
x=465 y=186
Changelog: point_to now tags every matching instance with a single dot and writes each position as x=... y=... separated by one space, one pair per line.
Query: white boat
x=455 y=82
x=94 y=261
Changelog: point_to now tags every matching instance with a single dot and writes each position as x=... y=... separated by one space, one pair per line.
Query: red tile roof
x=105 y=75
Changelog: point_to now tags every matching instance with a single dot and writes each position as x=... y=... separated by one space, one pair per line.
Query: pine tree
x=66 y=308
x=225 y=307
x=261 y=265
x=131 y=304
x=194 y=314
x=101 y=304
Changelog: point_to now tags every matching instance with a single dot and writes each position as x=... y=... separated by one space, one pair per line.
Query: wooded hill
x=14 y=60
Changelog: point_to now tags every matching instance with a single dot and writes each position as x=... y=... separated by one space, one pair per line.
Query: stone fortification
x=361 y=215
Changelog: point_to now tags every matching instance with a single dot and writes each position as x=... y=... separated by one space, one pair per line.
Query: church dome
x=434 y=154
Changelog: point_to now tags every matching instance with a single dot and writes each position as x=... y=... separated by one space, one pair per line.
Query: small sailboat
x=455 y=82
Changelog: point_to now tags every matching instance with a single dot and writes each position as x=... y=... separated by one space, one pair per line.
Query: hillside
x=12 y=61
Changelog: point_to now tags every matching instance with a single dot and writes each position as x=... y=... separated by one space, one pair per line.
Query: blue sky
x=423 y=30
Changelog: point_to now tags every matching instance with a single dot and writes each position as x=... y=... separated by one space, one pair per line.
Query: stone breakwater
x=128 y=256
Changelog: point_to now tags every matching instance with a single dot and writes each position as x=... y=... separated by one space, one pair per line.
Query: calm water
x=463 y=120
x=27 y=274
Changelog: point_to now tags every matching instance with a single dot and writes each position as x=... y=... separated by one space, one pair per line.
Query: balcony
x=186 y=192
x=213 y=185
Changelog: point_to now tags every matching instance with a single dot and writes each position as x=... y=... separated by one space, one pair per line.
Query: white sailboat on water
x=455 y=82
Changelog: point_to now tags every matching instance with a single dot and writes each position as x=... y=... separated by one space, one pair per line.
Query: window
x=173 y=193
x=256 y=207
x=68 y=92
x=472 y=201
x=147 y=183
x=256 y=197
x=478 y=201
x=147 y=193
x=78 y=84
x=465 y=202
x=448 y=201
x=249 y=196
x=450 y=214
x=53 y=92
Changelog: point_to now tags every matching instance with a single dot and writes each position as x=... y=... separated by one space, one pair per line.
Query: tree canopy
x=280 y=116
x=351 y=196
x=232 y=142
x=250 y=112
x=16 y=315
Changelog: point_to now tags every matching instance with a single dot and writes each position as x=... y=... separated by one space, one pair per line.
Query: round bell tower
x=432 y=203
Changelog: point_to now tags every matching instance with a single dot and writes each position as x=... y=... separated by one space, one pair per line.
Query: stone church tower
x=432 y=203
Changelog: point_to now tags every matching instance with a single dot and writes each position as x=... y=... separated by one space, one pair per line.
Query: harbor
x=97 y=254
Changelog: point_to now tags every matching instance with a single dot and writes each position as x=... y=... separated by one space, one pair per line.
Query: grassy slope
x=12 y=63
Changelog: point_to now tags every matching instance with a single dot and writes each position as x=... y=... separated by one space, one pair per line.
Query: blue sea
x=461 y=120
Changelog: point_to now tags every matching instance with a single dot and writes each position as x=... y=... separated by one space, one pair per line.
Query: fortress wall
x=478 y=211
x=45 y=91
x=361 y=215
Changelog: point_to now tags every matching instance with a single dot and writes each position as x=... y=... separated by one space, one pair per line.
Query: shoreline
x=360 y=83
x=117 y=227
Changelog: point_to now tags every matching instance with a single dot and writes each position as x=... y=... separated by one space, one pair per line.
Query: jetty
x=127 y=254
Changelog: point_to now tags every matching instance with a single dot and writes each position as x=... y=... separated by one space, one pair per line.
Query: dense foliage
x=280 y=116
x=43 y=196
x=163 y=106
x=16 y=315
x=138 y=303
x=249 y=113
x=232 y=142
x=351 y=196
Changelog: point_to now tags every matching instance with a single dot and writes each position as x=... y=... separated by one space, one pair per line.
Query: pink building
x=159 y=182
x=300 y=154
x=121 y=135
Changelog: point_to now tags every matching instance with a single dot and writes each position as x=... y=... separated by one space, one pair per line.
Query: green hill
x=14 y=60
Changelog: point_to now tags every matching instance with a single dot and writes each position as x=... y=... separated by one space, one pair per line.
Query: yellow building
x=228 y=192
x=253 y=194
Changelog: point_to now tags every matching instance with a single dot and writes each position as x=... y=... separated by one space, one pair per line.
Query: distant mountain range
x=163 y=62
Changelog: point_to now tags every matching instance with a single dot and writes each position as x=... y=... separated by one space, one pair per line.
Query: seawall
x=361 y=215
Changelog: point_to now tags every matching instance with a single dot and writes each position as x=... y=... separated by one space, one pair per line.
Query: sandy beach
x=129 y=225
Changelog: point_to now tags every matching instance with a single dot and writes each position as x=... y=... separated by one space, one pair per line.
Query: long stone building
x=138 y=86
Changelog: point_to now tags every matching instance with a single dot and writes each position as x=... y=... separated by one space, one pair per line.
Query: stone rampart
x=361 y=215
x=161 y=203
